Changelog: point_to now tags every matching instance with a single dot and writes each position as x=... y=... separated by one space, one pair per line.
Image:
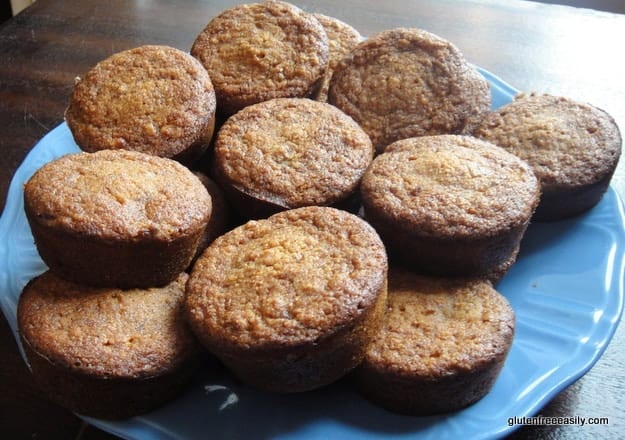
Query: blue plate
x=566 y=289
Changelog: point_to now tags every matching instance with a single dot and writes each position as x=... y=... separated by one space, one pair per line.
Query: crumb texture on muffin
x=132 y=334
x=290 y=303
x=451 y=185
x=404 y=82
x=292 y=152
x=153 y=99
x=342 y=38
x=572 y=147
x=442 y=345
x=259 y=51
x=118 y=195
x=294 y=274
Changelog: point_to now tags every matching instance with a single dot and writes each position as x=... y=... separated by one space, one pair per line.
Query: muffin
x=287 y=153
x=450 y=205
x=116 y=218
x=403 y=83
x=342 y=38
x=259 y=51
x=152 y=99
x=291 y=302
x=104 y=352
x=441 y=348
x=572 y=147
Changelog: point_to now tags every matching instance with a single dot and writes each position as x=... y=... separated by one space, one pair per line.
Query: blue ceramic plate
x=566 y=289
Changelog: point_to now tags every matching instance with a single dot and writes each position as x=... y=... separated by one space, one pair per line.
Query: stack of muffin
x=378 y=200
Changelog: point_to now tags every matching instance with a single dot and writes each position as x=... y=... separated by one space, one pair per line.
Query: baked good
x=442 y=345
x=259 y=51
x=105 y=352
x=116 y=218
x=287 y=153
x=405 y=82
x=290 y=303
x=152 y=99
x=450 y=205
x=342 y=38
x=573 y=148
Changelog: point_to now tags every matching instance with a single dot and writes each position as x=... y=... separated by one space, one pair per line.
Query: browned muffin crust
x=403 y=82
x=442 y=345
x=259 y=51
x=152 y=99
x=290 y=303
x=342 y=38
x=106 y=352
x=449 y=204
x=287 y=153
x=572 y=147
x=116 y=218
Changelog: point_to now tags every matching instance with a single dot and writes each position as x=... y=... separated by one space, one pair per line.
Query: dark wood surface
x=562 y=50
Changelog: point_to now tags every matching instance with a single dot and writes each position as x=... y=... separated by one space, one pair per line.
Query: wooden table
x=562 y=50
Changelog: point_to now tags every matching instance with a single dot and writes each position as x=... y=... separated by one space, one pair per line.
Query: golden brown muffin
x=572 y=147
x=287 y=153
x=116 y=218
x=152 y=99
x=259 y=51
x=342 y=38
x=403 y=83
x=107 y=353
x=290 y=303
x=442 y=345
x=449 y=204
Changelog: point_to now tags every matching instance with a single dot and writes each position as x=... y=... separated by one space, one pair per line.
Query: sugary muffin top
x=294 y=278
x=435 y=327
x=118 y=195
x=567 y=143
x=136 y=333
x=293 y=152
x=152 y=99
x=450 y=186
x=259 y=51
x=404 y=82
